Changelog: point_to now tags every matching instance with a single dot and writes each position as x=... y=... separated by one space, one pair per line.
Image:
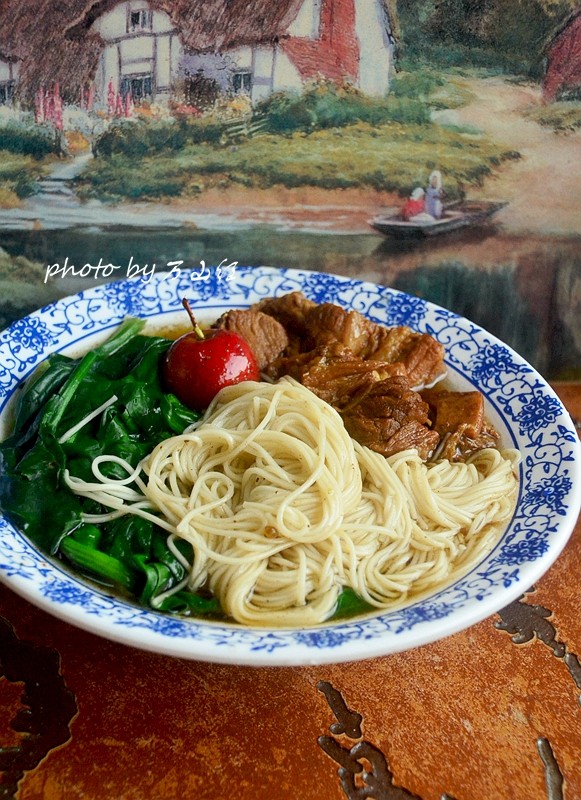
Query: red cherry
x=200 y=363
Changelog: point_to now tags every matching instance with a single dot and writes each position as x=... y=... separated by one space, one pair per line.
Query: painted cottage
x=141 y=53
x=9 y=68
x=152 y=50
x=562 y=77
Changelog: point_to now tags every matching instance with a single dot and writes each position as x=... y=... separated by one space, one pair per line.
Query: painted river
x=524 y=289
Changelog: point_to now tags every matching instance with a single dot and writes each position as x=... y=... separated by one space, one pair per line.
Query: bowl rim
x=487 y=588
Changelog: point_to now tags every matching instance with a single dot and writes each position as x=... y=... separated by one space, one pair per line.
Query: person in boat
x=414 y=205
x=434 y=193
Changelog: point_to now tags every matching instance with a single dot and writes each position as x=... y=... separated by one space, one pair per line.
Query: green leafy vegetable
x=97 y=563
x=350 y=604
x=47 y=381
x=128 y=552
x=192 y=604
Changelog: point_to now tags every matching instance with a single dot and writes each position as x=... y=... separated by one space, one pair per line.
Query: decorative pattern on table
x=509 y=384
x=364 y=771
x=526 y=621
x=48 y=706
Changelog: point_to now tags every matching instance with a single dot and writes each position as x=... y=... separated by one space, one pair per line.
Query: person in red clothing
x=415 y=204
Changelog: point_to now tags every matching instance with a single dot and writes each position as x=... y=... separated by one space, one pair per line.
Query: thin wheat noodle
x=283 y=509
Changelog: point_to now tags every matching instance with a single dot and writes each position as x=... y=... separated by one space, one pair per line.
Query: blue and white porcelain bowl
x=521 y=405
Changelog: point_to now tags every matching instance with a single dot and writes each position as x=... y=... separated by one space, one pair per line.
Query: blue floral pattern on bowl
x=521 y=404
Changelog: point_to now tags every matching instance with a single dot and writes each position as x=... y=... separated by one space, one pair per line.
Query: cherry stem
x=197 y=330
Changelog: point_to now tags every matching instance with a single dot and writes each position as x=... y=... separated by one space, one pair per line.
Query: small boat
x=457 y=215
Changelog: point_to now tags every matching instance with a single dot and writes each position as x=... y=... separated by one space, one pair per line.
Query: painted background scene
x=154 y=131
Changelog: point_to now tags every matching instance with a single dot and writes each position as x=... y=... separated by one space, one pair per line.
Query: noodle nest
x=283 y=509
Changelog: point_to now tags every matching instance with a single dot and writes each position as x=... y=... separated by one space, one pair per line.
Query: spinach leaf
x=192 y=604
x=177 y=417
x=127 y=537
x=127 y=552
x=40 y=508
x=349 y=604
x=98 y=564
x=47 y=380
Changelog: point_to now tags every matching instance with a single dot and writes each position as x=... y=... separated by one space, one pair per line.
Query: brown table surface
x=492 y=712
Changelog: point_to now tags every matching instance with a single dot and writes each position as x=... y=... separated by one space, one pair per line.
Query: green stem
x=98 y=563
x=57 y=405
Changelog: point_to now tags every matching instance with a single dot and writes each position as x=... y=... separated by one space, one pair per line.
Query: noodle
x=283 y=509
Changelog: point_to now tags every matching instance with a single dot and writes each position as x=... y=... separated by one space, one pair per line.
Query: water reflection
x=525 y=290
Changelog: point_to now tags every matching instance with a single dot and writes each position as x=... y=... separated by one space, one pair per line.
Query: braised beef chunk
x=310 y=325
x=333 y=373
x=329 y=323
x=343 y=380
x=325 y=354
x=290 y=310
x=293 y=365
x=395 y=398
x=372 y=375
x=421 y=354
x=267 y=337
x=392 y=417
x=411 y=436
x=459 y=419
x=457 y=446
x=296 y=365
x=452 y=409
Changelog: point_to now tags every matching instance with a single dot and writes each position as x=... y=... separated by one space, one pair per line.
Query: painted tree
x=508 y=33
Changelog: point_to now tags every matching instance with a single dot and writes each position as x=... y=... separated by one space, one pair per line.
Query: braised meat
x=344 y=382
x=452 y=409
x=392 y=417
x=457 y=446
x=330 y=323
x=333 y=373
x=291 y=311
x=375 y=399
x=458 y=417
x=265 y=335
x=371 y=374
x=421 y=354
x=309 y=325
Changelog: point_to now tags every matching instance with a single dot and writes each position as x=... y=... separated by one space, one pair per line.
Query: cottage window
x=140 y=20
x=140 y=87
x=242 y=82
x=6 y=92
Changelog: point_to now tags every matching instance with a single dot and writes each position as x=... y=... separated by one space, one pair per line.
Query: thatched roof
x=211 y=25
x=54 y=41
x=33 y=33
